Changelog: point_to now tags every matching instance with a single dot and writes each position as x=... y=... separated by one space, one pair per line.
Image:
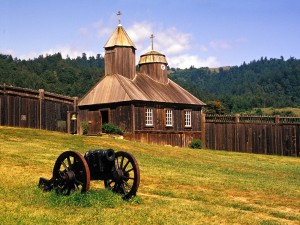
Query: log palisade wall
x=21 y=107
x=272 y=135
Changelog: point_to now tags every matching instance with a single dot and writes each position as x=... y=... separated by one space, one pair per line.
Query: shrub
x=110 y=128
x=258 y=112
x=283 y=113
x=196 y=144
x=85 y=128
x=215 y=107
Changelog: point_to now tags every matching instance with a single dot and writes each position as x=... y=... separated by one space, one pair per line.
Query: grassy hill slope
x=178 y=186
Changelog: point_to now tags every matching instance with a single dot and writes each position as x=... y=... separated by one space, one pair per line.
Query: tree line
x=71 y=77
x=260 y=83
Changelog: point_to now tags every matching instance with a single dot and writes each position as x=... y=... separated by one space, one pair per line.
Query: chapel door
x=95 y=124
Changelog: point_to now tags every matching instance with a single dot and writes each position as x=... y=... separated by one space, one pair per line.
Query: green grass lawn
x=272 y=111
x=178 y=185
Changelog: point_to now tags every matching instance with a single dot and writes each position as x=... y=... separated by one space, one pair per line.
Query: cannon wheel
x=71 y=173
x=126 y=175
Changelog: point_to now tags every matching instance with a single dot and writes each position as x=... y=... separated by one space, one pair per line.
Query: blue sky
x=201 y=33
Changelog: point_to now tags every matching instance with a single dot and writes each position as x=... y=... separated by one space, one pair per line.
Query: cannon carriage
x=73 y=172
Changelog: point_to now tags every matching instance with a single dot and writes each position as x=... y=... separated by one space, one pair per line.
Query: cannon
x=73 y=172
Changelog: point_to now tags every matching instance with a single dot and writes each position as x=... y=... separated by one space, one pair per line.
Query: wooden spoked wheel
x=126 y=176
x=71 y=173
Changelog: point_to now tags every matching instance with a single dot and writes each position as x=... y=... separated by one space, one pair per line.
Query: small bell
x=73 y=117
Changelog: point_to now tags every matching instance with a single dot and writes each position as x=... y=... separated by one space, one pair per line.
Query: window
x=149 y=117
x=188 y=118
x=169 y=118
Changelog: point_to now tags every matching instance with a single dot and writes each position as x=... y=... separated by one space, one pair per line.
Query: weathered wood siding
x=118 y=114
x=120 y=60
x=155 y=71
x=159 y=117
x=131 y=117
x=22 y=107
x=121 y=115
x=159 y=133
x=263 y=135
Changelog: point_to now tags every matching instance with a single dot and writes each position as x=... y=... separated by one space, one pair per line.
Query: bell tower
x=120 y=53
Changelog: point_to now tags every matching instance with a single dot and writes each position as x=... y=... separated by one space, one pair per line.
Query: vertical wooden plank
x=296 y=140
x=250 y=134
x=94 y=122
x=202 y=129
x=277 y=124
x=133 y=121
x=41 y=103
x=68 y=122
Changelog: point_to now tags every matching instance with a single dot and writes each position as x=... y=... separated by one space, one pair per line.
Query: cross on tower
x=152 y=38
x=119 y=16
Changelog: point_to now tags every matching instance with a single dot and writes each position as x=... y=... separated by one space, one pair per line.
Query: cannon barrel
x=100 y=163
x=105 y=155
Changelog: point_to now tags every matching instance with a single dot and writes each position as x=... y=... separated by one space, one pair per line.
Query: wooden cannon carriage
x=73 y=172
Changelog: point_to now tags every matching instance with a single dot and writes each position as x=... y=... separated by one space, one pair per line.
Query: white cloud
x=97 y=29
x=64 y=50
x=173 y=41
x=168 y=41
x=68 y=51
x=176 y=45
x=8 y=52
x=140 y=32
x=202 y=48
x=30 y=55
x=101 y=29
x=186 y=61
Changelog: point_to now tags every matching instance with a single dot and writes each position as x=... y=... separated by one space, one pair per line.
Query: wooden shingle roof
x=119 y=38
x=117 y=88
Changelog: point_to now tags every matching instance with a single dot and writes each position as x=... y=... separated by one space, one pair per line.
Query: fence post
x=5 y=106
x=278 y=147
x=68 y=122
x=203 y=130
x=76 y=111
x=237 y=118
x=277 y=119
x=75 y=100
x=41 y=99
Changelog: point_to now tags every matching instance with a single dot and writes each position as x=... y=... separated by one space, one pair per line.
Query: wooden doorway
x=104 y=116
x=95 y=122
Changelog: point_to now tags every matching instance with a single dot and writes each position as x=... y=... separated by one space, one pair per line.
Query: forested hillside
x=261 y=83
x=72 y=77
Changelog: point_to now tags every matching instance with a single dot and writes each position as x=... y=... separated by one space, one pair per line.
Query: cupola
x=154 y=64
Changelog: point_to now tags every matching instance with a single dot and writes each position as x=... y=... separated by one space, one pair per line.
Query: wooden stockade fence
x=272 y=135
x=22 y=107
